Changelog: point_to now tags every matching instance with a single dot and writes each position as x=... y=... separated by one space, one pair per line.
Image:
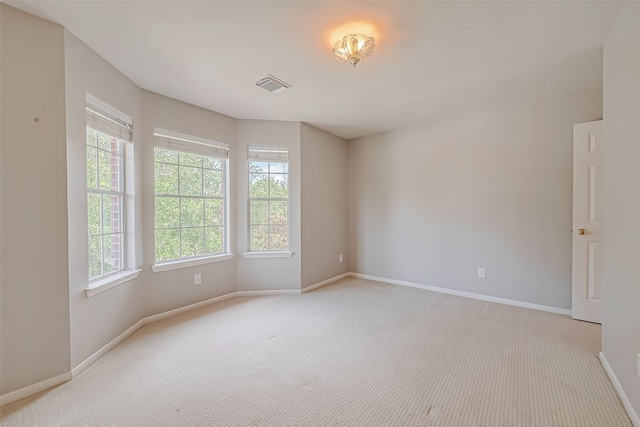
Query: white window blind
x=106 y=119
x=268 y=154
x=184 y=143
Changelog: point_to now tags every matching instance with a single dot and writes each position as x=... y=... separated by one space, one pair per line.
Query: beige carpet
x=354 y=353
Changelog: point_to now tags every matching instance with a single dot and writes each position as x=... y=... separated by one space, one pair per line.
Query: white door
x=587 y=221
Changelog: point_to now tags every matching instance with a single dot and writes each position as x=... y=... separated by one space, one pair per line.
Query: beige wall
x=92 y=321
x=323 y=159
x=621 y=275
x=34 y=265
x=432 y=203
x=269 y=273
x=167 y=290
x=427 y=204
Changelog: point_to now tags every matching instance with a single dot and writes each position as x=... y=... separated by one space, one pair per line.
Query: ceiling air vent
x=273 y=84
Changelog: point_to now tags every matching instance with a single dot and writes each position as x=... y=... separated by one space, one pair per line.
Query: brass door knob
x=582 y=231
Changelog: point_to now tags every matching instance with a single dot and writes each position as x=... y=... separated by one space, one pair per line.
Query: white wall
x=272 y=273
x=167 y=290
x=323 y=159
x=34 y=264
x=432 y=203
x=621 y=275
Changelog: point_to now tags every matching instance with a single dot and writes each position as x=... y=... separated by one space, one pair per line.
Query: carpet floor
x=353 y=353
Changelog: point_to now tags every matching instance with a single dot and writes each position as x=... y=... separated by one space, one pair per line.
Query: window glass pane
x=105 y=202
x=116 y=181
x=259 y=212
x=167 y=244
x=213 y=240
x=212 y=183
x=165 y=156
x=93 y=211
x=213 y=212
x=111 y=213
x=259 y=238
x=117 y=255
x=95 y=257
x=192 y=242
x=276 y=167
x=268 y=218
x=91 y=137
x=212 y=162
x=191 y=212
x=104 y=141
x=258 y=186
x=190 y=159
x=167 y=212
x=111 y=254
x=278 y=213
x=104 y=170
x=166 y=179
x=279 y=186
x=190 y=181
x=92 y=168
x=278 y=237
x=197 y=184
x=258 y=167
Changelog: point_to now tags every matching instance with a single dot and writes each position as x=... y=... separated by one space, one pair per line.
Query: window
x=268 y=198
x=190 y=196
x=107 y=133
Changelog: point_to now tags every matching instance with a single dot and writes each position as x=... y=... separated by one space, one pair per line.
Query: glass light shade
x=353 y=48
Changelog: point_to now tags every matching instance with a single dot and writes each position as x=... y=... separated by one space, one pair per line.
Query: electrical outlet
x=340 y=258
x=638 y=355
x=481 y=273
x=197 y=279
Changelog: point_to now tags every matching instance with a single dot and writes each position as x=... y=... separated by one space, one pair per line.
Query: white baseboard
x=104 y=350
x=189 y=307
x=465 y=294
x=268 y=292
x=635 y=419
x=5 y=399
x=324 y=282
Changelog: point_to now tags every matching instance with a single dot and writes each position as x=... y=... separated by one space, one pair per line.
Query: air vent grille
x=273 y=84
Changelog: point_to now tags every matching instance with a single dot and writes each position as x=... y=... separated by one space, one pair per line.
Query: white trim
x=32 y=389
x=269 y=292
x=324 y=282
x=107 y=348
x=268 y=254
x=189 y=307
x=110 y=282
x=635 y=419
x=464 y=294
x=173 y=265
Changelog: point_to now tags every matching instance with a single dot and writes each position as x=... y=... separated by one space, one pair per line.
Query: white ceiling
x=433 y=60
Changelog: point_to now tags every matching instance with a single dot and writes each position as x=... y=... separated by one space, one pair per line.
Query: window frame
x=118 y=127
x=268 y=154
x=179 y=142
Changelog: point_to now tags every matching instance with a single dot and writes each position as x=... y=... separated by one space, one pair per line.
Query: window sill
x=268 y=254
x=109 y=282
x=173 y=265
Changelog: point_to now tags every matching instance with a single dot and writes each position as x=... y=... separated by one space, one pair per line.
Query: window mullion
x=179 y=210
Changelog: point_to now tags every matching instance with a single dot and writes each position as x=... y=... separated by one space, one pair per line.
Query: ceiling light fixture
x=353 y=48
